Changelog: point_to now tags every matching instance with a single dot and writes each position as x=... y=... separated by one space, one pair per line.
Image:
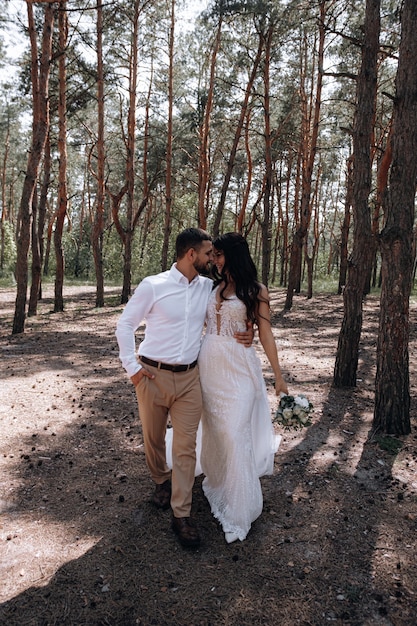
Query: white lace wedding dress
x=238 y=442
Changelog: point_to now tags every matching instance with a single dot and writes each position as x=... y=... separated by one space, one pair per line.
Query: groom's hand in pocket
x=136 y=378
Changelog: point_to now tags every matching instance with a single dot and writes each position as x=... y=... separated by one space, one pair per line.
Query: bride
x=238 y=441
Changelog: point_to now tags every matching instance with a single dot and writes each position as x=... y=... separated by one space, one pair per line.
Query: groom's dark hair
x=190 y=238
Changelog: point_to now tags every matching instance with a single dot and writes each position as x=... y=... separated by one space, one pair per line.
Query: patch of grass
x=7 y=281
x=113 y=300
x=333 y=470
x=389 y=444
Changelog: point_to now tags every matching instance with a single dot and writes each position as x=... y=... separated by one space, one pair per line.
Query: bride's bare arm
x=268 y=341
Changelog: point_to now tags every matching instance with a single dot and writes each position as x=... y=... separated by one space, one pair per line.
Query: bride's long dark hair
x=242 y=270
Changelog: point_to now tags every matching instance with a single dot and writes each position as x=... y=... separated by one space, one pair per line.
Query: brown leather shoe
x=162 y=495
x=187 y=532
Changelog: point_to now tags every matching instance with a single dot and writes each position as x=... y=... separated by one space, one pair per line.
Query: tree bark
x=40 y=82
x=133 y=212
x=392 y=387
x=49 y=233
x=43 y=206
x=4 y=212
x=267 y=217
x=245 y=199
x=310 y=258
x=285 y=222
x=359 y=265
x=381 y=185
x=168 y=178
x=36 y=257
x=309 y=150
x=344 y=236
x=130 y=160
x=204 y=160
x=98 y=225
x=238 y=133
x=62 y=149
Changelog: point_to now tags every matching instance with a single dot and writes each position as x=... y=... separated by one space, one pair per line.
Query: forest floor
x=80 y=543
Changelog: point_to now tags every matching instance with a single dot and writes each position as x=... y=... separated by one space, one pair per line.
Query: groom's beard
x=203 y=268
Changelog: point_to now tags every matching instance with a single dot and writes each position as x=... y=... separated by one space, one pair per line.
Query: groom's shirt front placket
x=174 y=311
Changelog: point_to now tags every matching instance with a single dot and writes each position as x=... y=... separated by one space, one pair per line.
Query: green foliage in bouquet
x=293 y=412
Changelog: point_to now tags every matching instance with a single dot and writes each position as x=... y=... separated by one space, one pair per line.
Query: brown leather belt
x=168 y=366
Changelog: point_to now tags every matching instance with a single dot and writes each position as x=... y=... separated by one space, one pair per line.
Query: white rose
x=302 y=402
x=287 y=413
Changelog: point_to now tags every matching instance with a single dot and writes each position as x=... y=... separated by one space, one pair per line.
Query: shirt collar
x=180 y=278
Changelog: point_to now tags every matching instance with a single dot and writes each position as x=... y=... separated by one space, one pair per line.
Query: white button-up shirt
x=174 y=311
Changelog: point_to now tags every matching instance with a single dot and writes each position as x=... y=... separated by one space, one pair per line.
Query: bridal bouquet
x=293 y=412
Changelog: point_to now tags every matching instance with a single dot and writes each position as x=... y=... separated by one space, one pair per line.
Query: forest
x=293 y=122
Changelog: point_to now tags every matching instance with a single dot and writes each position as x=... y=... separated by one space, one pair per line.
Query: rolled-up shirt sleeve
x=133 y=315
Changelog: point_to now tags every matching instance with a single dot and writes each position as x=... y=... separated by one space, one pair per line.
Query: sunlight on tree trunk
x=392 y=385
x=130 y=159
x=40 y=83
x=360 y=262
x=245 y=200
x=168 y=178
x=266 y=226
x=204 y=157
x=237 y=136
x=4 y=212
x=344 y=235
x=311 y=122
x=98 y=226
x=62 y=149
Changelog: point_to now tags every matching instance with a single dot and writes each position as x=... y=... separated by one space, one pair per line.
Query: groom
x=166 y=377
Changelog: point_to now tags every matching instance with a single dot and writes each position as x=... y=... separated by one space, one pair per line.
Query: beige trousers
x=179 y=394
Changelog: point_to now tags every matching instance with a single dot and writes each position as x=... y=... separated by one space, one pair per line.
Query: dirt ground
x=80 y=543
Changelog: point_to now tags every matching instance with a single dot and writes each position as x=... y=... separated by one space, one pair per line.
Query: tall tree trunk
x=130 y=158
x=40 y=83
x=245 y=200
x=311 y=249
x=49 y=232
x=359 y=266
x=381 y=185
x=204 y=160
x=62 y=150
x=392 y=386
x=4 y=212
x=267 y=217
x=145 y=229
x=80 y=238
x=168 y=178
x=345 y=227
x=133 y=212
x=285 y=223
x=238 y=133
x=36 y=258
x=309 y=150
x=278 y=193
x=43 y=205
x=98 y=225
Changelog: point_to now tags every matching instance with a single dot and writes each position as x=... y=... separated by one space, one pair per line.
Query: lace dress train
x=238 y=441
